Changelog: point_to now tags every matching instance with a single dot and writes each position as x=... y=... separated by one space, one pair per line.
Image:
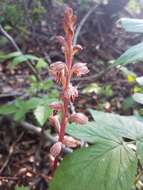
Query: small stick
x=82 y=23
x=34 y=71
x=8 y=178
x=11 y=150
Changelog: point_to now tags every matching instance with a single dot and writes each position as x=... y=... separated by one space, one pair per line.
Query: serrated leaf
x=42 y=113
x=132 y=55
x=103 y=166
x=138 y=97
x=124 y=126
x=132 y=25
x=112 y=127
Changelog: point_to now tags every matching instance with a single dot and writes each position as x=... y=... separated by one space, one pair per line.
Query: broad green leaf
x=107 y=165
x=139 y=145
x=132 y=25
x=42 y=113
x=138 y=97
x=105 y=125
x=132 y=55
x=124 y=126
x=19 y=115
x=111 y=127
x=85 y=132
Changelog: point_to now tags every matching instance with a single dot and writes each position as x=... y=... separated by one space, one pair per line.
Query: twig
x=138 y=177
x=47 y=136
x=82 y=23
x=11 y=150
x=8 y=178
x=34 y=71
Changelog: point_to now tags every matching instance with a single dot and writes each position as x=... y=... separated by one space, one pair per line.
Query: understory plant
x=62 y=73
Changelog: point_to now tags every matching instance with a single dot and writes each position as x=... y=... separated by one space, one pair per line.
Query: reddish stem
x=64 y=121
x=69 y=61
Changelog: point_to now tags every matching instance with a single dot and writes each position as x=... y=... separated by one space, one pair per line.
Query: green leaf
x=86 y=132
x=22 y=58
x=132 y=25
x=7 y=109
x=138 y=97
x=10 y=55
x=93 y=87
x=120 y=126
x=128 y=103
x=124 y=126
x=42 y=113
x=140 y=80
x=112 y=128
x=41 y=64
x=132 y=55
x=107 y=165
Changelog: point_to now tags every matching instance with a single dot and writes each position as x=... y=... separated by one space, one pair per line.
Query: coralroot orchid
x=62 y=74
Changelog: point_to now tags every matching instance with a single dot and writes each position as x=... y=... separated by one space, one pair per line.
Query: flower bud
x=61 y=40
x=80 y=69
x=69 y=21
x=56 y=106
x=79 y=118
x=70 y=142
x=54 y=121
x=55 y=150
x=77 y=48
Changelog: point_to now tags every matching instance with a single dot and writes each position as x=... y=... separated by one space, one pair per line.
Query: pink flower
x=71 y=93
x=61 y=40
x=80 y=69
x=56 y=106
x=78 y=118
x=55 y=150
x=54 y=121
x=58 y=70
